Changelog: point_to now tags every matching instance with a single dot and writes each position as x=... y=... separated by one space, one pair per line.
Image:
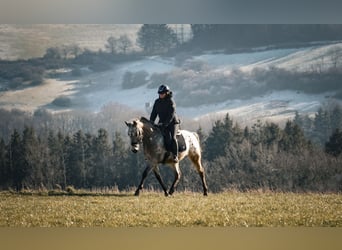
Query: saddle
x=180 y=140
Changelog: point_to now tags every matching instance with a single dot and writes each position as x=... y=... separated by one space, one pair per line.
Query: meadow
x=184 y=209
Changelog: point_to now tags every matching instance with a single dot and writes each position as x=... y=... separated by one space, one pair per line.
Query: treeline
x=325 y=122
x=237 y=36
x=268 y=157
x=264 y=156
x=31 y=72
x=61 y=160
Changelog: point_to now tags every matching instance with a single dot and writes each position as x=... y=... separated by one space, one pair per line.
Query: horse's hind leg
x=177 y=178
x=141 y=185
x=196 y=160
x=158 y=176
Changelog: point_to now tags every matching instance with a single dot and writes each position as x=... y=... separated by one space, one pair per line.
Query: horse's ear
x=135 y=123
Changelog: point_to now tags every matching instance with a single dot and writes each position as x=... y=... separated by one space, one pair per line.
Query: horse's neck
x=151 y=135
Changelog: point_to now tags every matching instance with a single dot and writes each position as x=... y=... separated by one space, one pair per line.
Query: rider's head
x=163 y=90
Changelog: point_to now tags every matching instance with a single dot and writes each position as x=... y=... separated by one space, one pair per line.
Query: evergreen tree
x=102 y=152
x=5 y=174
x=76 y=158
x=321 y=129
x=334 y=145
x=33 y=160
x=156 y=38
x=293 y=139
x=56 y=162
x=123 y=172
x=270 y=134
x=336 y=118
x=219 y=138
x=16 y=160
x=89 y=159
x=68 y=159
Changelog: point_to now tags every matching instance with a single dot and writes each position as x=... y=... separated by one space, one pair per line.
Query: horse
x=143 y=131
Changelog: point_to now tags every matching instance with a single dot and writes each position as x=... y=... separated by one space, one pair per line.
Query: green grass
x=152 y=209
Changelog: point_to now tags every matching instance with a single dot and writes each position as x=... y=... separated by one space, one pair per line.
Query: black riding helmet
x=163 y=89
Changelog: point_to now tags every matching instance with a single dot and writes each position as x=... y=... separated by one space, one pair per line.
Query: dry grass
x=152 y=209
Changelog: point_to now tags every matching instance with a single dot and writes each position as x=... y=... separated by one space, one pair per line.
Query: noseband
x=135 y=135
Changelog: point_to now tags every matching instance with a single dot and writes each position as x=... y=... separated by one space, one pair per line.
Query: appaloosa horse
x=145 y=132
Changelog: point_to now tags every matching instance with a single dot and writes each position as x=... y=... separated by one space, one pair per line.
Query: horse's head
x=135 y=133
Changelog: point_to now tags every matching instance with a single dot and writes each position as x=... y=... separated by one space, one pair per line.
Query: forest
x=305 y=155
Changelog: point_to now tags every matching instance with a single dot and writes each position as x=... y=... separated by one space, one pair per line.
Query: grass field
x=152 y=209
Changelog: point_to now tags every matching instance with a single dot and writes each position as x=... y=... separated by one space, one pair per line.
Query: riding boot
x=175 y=151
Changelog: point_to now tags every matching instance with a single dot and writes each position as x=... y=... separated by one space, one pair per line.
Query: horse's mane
x=149 y=124
x=145 y=120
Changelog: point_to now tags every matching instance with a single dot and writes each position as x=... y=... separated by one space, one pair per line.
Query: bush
x=157 y=79
x=76 y=72
x=62 y=101
x=133 y=80
x=70 y=190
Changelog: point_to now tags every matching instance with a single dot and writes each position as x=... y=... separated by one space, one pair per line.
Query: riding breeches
x=171 y=138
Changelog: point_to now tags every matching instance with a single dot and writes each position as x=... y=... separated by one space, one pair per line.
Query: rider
x=165 y=108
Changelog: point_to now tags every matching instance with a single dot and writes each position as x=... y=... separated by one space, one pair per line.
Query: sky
x=170 y=11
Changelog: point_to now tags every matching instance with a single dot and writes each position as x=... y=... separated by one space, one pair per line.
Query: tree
x=53 y=53
x=33 y=159
x=56 y=173
x=270 y=134
x=111 y=44
x=76 y=161
x=156 y=38
x=336 y=118
x=16 y=160
x=334 y=145
x=293 y=139
x=321 y=128
x=102 y=152
x=4 y=169
x=124 y=43
x=219 y=138
x=122 y=171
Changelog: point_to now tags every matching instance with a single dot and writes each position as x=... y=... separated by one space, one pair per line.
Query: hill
x=263 y=83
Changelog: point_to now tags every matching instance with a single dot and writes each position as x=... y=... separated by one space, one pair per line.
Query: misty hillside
x=264 y=84
x=267 y=84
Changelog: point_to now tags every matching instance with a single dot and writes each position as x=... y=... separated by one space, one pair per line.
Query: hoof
x=136 y=193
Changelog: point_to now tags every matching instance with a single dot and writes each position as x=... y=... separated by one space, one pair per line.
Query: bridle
x=135 y=133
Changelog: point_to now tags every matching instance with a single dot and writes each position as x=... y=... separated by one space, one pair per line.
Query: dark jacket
x=165 y=109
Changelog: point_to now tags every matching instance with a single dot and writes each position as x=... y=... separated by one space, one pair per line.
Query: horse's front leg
x=144 y=175
x=177 y=178
x=158 y=176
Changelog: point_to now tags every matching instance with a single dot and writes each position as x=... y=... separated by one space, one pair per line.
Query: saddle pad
x=181 y=143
